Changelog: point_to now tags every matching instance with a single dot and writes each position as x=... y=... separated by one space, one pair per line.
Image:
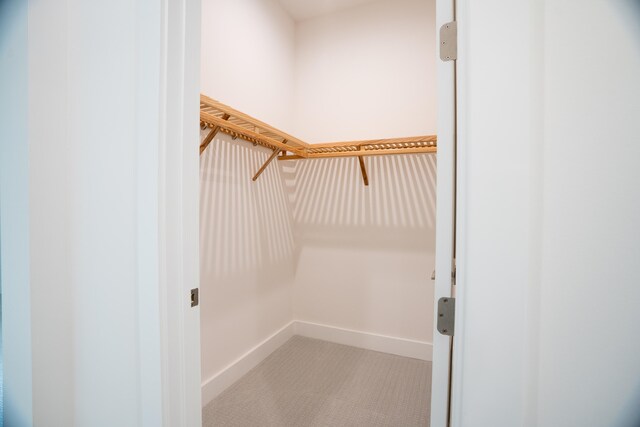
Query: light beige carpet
x=309 y=382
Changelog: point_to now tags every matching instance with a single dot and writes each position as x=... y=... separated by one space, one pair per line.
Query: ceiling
x=305 y=9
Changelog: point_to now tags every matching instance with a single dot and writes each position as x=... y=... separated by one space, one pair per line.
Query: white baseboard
x=399 y=346
x=232 y=373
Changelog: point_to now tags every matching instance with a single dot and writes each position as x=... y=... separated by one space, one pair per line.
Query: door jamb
x=447 y=235
x=455 y=409
x=178 y=166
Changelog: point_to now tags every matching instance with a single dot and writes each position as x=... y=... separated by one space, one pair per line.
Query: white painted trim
x=219 y=382
x=383 y=343
x=178 y=218
x=232 y=373
x=444 y=218
x=148 y=128
x=462 y=72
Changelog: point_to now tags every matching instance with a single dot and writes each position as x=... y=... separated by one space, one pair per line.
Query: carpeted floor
x=309 y=382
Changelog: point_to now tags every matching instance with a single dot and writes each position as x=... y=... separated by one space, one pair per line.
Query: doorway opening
x=318 y=211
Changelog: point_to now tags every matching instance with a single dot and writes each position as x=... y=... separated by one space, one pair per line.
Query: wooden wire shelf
x=219 y=117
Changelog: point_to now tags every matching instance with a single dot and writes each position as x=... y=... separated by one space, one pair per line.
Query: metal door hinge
x=449 y=41
x=453 y=275
x=454 y=272
x=195 y=298
x=446 y=315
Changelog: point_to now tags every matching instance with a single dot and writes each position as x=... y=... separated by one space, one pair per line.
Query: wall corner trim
x=383 y=343
x=216 y=384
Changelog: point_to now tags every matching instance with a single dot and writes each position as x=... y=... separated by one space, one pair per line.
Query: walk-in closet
x=317 y=211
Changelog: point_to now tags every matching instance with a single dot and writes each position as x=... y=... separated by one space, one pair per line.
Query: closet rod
x=429 y=149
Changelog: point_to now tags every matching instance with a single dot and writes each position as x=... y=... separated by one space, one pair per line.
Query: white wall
x=367 y=72
x=245 y=227
x=51 y=190
x=548 y=284
x=590 y=211
x=14 y=202
x=246 y=246
x=366 y=253
x=248 y=57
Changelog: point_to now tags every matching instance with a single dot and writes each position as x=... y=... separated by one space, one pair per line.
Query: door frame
x=178 y=216
x=448 y=232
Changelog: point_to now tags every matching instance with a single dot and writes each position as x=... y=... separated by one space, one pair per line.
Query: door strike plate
x=195 y=300
x=446 y=315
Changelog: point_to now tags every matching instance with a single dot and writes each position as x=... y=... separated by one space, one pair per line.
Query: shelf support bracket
x=214 y=130
x=269 y=160
x=365 y=178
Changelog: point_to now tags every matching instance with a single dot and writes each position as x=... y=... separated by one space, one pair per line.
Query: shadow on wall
x=630 y=11
x=629 y=415
x=246 y=252
x=245 y=225
x=331 y=205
